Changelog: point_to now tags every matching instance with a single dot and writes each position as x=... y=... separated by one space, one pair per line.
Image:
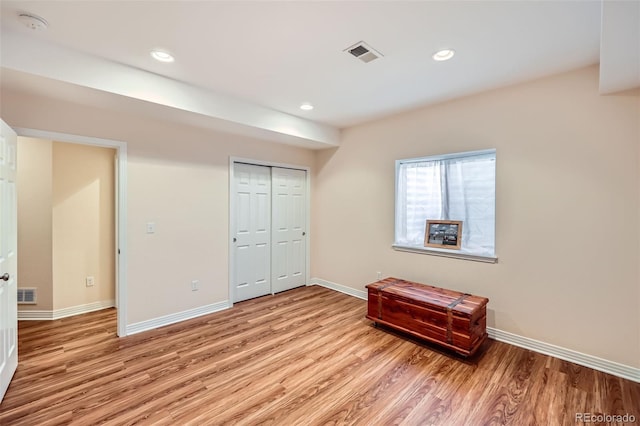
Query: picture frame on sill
x=444 y=234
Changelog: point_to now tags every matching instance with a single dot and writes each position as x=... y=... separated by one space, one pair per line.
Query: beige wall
x=65 y=223
x=177 y=178
x=83 y=224
x=565 y=156
x=34 y=220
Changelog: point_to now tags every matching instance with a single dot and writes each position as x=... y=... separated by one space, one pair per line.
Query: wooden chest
x=449 y=318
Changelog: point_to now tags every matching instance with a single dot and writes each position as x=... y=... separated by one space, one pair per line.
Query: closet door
x=252 y=236
x=288 y=247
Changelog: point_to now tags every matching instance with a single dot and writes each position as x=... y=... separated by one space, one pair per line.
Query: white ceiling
x=252 y=63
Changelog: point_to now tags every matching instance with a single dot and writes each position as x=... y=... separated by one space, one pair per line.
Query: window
x=448 y=187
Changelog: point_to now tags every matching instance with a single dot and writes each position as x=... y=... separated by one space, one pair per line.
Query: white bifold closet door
x=269 y=240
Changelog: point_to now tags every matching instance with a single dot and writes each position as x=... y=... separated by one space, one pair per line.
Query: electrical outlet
x=195 y=285
x=379 y=275
x=90 y=281
x=151 y=227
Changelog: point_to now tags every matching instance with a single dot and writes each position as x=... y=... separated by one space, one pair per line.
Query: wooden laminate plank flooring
x=304 y=357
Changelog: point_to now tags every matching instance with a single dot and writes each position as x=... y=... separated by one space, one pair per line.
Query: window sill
x=445 y=253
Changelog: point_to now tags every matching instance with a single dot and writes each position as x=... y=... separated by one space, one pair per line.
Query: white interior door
x=252 y=236
x=288 y=248
x=8 y=257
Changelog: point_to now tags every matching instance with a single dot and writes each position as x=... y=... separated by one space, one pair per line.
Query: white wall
x=177 y=178
x=566 y=158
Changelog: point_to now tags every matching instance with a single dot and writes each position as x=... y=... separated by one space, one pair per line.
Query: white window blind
x=449 y=187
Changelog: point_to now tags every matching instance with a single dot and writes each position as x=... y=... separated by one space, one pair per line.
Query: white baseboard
x=360 y=294
x=64 y=312
x=151 y=324
x=606 y=366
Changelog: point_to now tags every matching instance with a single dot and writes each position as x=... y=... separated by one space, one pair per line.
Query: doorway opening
x=87 y=261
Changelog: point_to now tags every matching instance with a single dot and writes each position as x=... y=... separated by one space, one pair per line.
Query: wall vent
x=27 y=296
x=364 y=52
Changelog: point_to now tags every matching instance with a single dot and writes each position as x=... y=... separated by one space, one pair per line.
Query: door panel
x=8 y=257
x=252 y=258
x=289 y=218
x=279 y=263
x=297 y=260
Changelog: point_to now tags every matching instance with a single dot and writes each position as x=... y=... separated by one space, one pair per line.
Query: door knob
x=235 y=239
x=5 y=277
x=304 y=233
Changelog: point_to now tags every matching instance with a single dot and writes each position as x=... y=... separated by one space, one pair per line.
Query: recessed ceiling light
x=443 y=55
x=162 y=56
x=306 y=106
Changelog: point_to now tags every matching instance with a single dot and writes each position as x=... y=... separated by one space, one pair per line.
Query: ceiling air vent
x=364 y=52
x=27 y=296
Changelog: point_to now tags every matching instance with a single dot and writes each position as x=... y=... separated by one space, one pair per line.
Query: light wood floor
x=303 y=357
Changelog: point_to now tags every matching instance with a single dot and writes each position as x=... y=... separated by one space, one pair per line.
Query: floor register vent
x=364 y=52
x=27 y=296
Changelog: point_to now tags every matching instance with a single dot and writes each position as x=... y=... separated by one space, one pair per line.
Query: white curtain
x=459 y=188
